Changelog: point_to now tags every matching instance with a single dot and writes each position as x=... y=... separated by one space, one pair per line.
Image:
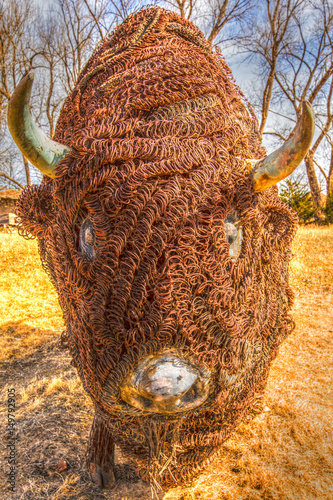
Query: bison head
x=159 y=224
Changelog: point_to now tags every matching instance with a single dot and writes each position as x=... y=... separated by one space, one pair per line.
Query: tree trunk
x=27 y=170
x=314 y=186
x=330 y=177
x=267 y=98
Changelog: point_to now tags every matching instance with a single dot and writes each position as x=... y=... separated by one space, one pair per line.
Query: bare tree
x=56 y=41
x=52 y=93
x=213 y=16
x=97 y=10
x=67 y=37
x=76 y=38
x=307 y=73
x=15 y=52
x=223 y=13
x=183 y=7
x=16 y=56
x=271 y=32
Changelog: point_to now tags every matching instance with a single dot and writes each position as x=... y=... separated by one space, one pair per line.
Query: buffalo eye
x=87 y=239
x=233 y=233
x=230 y=232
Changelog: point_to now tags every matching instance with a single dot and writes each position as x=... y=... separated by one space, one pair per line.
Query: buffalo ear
x=35 y=209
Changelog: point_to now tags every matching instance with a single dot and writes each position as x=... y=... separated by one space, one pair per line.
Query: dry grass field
x=286 y=453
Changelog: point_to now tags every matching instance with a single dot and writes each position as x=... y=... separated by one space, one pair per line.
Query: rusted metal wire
x=159 y=136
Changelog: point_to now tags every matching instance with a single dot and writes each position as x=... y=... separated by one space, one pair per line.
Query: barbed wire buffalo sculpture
x=159 y=223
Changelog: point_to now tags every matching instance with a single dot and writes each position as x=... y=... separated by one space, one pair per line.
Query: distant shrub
x=297 y=195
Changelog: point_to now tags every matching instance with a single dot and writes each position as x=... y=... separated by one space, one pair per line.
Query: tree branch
x=11 y=180
x=322 y=171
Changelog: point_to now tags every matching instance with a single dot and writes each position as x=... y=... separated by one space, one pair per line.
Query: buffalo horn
x=41 y=151
x=282 y=162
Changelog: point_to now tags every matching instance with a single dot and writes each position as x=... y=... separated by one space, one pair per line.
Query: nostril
x=165 y=383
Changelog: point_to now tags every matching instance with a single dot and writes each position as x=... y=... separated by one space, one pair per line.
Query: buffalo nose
x=167 y=379
x=165 y=383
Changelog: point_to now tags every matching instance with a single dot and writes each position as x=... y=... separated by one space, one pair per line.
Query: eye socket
x=233 y=233
x=87 y=239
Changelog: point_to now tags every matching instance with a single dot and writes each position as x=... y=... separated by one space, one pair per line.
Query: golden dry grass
x=312 y=263
x=286 y=453
x=29 y=309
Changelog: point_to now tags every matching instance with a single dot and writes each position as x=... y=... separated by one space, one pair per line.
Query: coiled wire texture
x=160 y=135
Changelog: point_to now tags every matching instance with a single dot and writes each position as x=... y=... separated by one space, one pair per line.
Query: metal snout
x=166 y=383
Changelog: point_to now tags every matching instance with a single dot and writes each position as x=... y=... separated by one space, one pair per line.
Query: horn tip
x=21 y=91
x=308 y=108
x=28 y=78
x=30 y=75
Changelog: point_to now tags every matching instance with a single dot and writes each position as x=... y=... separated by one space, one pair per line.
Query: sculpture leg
x=100 y=456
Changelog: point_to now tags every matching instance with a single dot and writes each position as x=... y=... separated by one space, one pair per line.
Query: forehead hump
x=153 y=79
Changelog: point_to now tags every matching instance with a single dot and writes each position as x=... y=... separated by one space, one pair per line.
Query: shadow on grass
x=53 y=416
